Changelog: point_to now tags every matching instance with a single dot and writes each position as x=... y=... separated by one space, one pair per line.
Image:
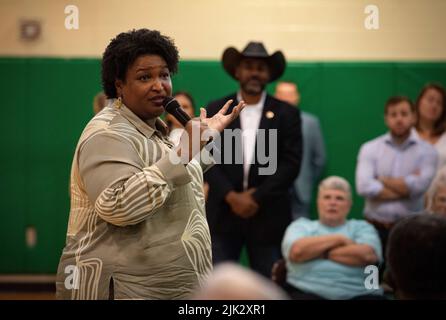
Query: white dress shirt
x=249 y=123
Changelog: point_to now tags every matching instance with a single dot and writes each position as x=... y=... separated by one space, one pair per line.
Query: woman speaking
x=137 y=227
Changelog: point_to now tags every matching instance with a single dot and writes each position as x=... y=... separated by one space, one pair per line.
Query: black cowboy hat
x=276 y=62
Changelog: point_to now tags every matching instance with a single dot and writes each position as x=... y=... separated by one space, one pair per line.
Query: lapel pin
x=270 y=115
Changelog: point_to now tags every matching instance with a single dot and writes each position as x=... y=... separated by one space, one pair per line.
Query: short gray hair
x=438 y=182
x=337 y=183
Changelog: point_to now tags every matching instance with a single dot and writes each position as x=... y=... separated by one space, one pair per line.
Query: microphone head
x=174 y=108
x=170 y=104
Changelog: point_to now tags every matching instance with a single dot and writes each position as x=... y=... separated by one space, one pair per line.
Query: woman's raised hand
x=221 y=120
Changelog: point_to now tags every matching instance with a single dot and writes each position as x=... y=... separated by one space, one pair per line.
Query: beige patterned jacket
x=136 y=219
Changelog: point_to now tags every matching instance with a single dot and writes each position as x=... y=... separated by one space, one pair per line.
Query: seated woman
x=325 y=259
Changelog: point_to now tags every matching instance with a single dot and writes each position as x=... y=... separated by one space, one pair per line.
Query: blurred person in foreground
x=416 y=258
x=230 y=281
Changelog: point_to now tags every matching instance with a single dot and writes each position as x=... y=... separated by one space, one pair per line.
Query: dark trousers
x=229 y=247
x=383 y=232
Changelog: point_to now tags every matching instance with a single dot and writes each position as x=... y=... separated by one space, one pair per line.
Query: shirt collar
x=148 y=127
x=412 y=139
x=258 y=105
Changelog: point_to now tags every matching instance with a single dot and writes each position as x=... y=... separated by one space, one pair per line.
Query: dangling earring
x=118 y=103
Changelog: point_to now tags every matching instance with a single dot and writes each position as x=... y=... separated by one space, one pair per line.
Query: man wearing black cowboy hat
x=245 y=207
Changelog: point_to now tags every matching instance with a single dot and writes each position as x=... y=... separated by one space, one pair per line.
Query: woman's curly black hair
x=127 y=47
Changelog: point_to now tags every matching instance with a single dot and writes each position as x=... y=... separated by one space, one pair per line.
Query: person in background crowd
x=325 y=259
x=245 y=206
x=176 y=129
x=436 y=196
x=430 y=110
x=99 y=102
x=313 y=155
x=187 y=104
x=394 y=171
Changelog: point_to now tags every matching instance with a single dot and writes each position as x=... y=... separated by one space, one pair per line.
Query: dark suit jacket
x=274 y=215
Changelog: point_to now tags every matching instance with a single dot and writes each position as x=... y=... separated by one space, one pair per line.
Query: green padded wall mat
x=46 y=103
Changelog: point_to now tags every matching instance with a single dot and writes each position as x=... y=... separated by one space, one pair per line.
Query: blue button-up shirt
x=414 y=160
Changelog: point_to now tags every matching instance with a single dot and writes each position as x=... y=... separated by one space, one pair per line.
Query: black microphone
x=173 y=107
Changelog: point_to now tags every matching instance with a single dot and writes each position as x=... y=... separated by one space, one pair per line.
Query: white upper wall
x=202 y=29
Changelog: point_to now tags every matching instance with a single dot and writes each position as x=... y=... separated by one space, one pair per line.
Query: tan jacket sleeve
x=124 y=190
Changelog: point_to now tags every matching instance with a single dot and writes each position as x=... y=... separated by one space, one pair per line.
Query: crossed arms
x=334 y=247
x=393 y=189
x=371 y=184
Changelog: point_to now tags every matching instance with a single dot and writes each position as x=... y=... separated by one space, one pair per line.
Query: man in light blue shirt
x=395 y=170
x=313 y=156
x=326 y=259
